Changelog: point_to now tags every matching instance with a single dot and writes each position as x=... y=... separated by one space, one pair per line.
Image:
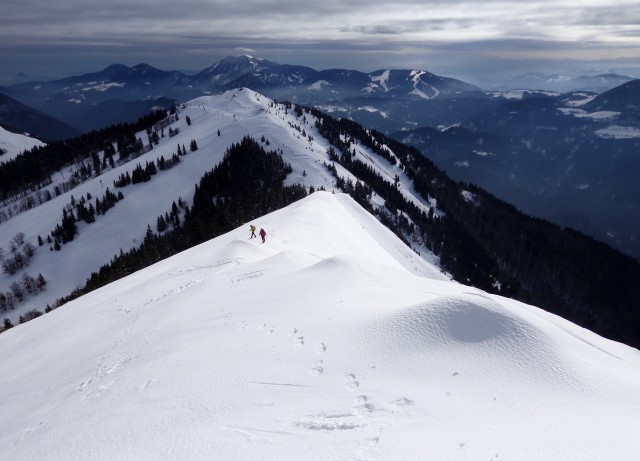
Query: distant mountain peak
x=143 y=67
x=115 y=68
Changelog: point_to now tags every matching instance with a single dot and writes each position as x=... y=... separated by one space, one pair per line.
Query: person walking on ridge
x=252 y=228
x=263 y=234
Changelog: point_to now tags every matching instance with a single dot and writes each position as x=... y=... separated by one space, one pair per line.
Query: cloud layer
x=79 y=35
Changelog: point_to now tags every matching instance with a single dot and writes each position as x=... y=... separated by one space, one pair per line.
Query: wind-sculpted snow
x=327 y=342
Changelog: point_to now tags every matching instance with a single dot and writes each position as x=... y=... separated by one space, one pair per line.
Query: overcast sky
x=459 y=38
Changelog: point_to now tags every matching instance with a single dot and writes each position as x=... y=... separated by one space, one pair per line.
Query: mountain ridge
x=238 y=348
x=477 y=238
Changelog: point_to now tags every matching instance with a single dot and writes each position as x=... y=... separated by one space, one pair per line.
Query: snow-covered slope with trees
x=333 y=340
x=216 y=122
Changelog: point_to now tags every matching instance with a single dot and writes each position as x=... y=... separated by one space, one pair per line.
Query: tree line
x=35 y=166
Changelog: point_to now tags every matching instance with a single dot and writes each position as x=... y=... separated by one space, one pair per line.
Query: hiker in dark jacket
x=263 y=234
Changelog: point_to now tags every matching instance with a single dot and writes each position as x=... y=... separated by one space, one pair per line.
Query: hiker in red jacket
x=263 y=234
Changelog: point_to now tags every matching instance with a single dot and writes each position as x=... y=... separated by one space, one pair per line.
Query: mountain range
x=79 y=100
x=396 y=95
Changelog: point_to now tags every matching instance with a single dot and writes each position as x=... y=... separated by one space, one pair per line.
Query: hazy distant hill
x=21 y=118
x=562 y=83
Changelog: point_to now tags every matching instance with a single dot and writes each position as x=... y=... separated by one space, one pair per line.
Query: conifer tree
x=41 y=283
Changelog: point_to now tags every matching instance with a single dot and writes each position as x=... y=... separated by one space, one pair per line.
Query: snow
x=470 y=197
x=331 y=341
x=586 y=98
x=103 y=86
x=518 y=94
x=330 y=108
x=619 y=132
x=318 y=85
x=613 y=131
x=415 y=78
x=14 y=144
x=382 y=79
x=601 y=116
x=572 y=111
x=236 y=114
x=372 y=109
x=508 y=94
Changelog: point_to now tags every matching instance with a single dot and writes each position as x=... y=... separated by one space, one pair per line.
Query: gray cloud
x=44 y=37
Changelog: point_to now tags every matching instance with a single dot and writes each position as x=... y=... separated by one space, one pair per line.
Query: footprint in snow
x=363 y=404
x=269 y=331
x=352 y=382
x=318 y=369
x=371 y=443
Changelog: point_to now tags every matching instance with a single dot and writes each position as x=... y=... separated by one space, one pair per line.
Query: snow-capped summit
x=232 y=68
x=332 y=340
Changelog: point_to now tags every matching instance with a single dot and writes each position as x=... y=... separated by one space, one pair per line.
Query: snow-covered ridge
x=235 y=114
x=12 y=144
x=332 y=340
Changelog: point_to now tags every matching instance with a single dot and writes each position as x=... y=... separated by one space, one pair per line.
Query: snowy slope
x=332 y=341
x=235 y=114
x=13 y=144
